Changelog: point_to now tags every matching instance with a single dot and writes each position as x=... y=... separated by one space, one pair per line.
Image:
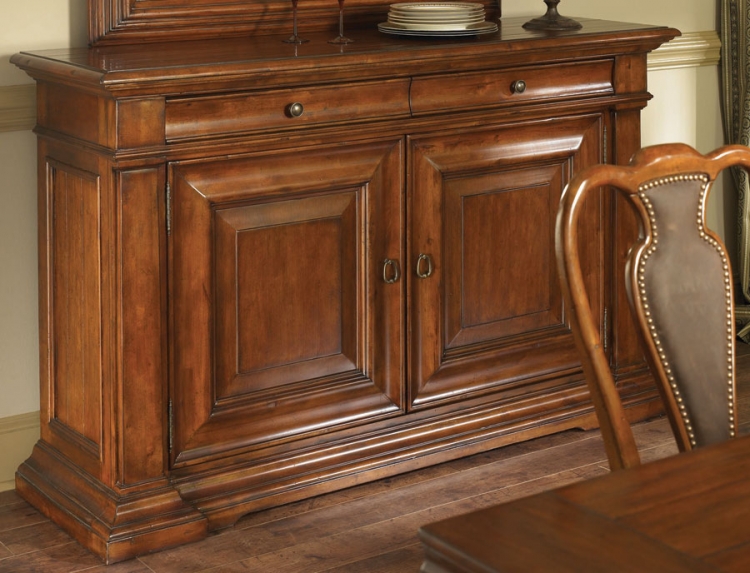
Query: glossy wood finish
x=192 y=117
x=253 y=301
x=472 y=196
x=685 y=513
x=278 y=297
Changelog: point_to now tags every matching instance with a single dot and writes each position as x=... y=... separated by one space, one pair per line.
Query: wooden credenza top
x=265 y=61
x=164 y=94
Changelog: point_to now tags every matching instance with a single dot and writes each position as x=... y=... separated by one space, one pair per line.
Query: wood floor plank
x=407 y=558
x=35 y=537
x=19 y=514
x=9 y=497
x=132 y=566
x=68 y=558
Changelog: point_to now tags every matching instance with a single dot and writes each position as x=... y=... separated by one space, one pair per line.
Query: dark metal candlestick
x=552 y=21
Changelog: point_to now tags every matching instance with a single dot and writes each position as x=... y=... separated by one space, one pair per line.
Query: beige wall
x=38 y=24
x=28 y=25
x=686 y=15
x=685 y=108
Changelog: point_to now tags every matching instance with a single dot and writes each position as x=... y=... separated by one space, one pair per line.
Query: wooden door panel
x=482 y=207
x=276 y=283
x=489 y=216
x=258 y=296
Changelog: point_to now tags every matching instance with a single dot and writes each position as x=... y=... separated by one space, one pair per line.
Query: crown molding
x=692 y=49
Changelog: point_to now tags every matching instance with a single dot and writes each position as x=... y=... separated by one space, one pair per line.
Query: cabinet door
x=487 y=313
x=286 y=321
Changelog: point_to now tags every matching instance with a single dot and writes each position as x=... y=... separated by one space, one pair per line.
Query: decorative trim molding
x=692 y=49
x=17 y=107
x=19 y=423
x=18 y=434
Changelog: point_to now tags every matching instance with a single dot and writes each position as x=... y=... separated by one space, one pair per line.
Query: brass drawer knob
x=295 y=109
x=518 y=87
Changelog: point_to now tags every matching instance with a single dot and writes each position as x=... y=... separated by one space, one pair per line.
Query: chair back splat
x=679 y=284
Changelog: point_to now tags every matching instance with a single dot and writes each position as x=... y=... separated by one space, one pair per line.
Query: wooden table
x=689 y=512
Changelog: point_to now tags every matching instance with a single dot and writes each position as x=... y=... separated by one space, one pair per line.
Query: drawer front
x=486 y=89
x=285 y=109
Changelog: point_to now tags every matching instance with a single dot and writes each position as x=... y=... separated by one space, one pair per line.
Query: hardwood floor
x=371 y=528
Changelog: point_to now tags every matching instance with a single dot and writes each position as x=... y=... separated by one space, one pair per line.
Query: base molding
x=256 y=486
x=113 y=527
x=184 y=505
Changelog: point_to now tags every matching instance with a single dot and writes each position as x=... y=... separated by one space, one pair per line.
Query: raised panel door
x=283 y=325
x=487 y=314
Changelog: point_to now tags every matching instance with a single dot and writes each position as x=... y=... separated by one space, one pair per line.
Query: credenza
x=269 y=271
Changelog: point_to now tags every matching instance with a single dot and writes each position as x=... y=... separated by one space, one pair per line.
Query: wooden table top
x=689 y=512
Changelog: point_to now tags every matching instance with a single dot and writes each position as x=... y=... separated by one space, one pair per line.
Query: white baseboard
x=692 y=49
x=18 y=434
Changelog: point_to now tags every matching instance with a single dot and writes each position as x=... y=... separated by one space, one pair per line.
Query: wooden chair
x=679 y=284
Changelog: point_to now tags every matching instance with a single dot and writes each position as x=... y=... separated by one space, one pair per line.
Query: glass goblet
x=341 y=39
x=294 y=38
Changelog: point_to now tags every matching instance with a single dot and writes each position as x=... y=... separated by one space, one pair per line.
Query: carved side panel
x=74 y=298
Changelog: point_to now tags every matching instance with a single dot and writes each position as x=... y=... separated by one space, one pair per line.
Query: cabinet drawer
x=213 y=115
x=486 y=89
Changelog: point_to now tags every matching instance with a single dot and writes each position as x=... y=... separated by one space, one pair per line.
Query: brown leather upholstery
x=680 y=291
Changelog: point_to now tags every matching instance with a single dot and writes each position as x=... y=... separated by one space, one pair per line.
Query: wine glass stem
x=341 y=21
x=294 y=20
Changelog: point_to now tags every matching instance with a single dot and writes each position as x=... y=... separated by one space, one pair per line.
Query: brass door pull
x=424 y=274
x=395 y=275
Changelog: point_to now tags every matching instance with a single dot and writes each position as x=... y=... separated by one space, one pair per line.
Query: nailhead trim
x=727 y=290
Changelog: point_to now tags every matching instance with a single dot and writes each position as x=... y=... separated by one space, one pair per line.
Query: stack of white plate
x=437 y=19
